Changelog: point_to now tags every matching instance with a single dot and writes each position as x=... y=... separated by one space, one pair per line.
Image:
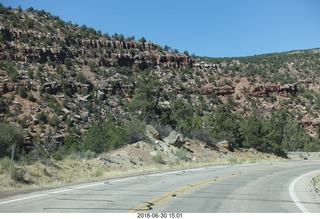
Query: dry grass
x=70 y=171
x=317 y=182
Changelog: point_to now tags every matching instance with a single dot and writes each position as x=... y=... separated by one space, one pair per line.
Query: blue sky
x=215 y=28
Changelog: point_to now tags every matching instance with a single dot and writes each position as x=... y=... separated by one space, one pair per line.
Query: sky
x=213 y=28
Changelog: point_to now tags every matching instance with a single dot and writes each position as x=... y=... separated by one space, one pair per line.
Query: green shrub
x=97 y=173
x=56 y=155
x=18 y=175
x=89 y=154
x=42 y=117
x=181 y=153
x=22 y=92
x=3 y=105
x=101 y=137
x=31 y=98
x=253 y=160
x=205 y=136
x=158 y=158
x=54 y=121
x=134 y=131
x=232 y=160
x=82 y=78
x=163 y=130
x=30 y=157
x=12 y=72
x=4 y=165
x=9 y=135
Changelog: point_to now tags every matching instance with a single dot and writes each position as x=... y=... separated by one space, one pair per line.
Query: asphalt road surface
x=261 y=188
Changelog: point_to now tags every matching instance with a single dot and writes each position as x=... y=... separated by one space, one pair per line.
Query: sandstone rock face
x=265 y=90
x=289 y=88
x=6 y=87
x=226 y=145
x=58 y=54
x=176 y=139
x=27 y=141
x=175 y=61
x=117 y=88
x=152 y=133
x=204 y=65
x=309 y=122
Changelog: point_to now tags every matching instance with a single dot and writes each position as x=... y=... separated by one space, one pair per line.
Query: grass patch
x=158 y=158
x=232 y=160
x=253 y=160
x=4 y=165
x=181 y=153
x=317 y=182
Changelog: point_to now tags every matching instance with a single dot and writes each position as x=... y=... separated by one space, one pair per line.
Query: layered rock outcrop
x=223 y=90
x=108 y=51
x=265 y=90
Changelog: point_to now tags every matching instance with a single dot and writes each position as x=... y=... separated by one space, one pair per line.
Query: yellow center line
x=145 y=206
x=156 y=201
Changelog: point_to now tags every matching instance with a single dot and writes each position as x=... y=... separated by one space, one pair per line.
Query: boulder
x=226 y=145
x=152 y=133
x=101 y=95
x=65 y=110
x=27 y=140
x=77 y=116
x=85 y=98
x=84 y=116
x=58 y=138
x=176 y=139
x=52 y=88
x=35 y=120
x=153 y=153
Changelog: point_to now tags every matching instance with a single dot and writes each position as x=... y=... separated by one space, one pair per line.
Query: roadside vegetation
x=76 y=168
x=267 y=135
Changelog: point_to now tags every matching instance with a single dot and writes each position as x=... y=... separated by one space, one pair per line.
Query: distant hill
x=66 y=85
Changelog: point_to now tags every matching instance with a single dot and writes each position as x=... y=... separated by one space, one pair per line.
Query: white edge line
x=43 y=194
x=294 y=196
x=21 y=199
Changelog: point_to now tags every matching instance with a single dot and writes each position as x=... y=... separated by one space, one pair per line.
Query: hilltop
x=67 y=89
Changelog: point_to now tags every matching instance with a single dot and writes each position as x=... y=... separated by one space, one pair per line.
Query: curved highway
x=266 y=187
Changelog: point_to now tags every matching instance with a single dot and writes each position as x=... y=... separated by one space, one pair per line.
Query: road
x=277 y=187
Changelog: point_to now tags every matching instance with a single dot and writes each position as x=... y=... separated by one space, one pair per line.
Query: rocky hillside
x=58 y=79
x=157 y=153
x=279 y=81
